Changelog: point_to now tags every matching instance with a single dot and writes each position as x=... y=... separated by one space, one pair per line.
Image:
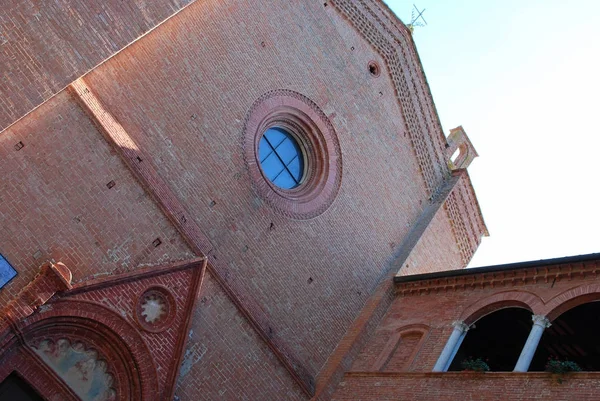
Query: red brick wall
x=468 y=386
x=183 y=93
x=45 y=46
x=56 y=203
x=163 y=346
x=226 y=360
x=400 y=357
x=436 y=250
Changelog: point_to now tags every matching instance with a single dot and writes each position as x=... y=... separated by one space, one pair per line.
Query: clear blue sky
x=523 y=78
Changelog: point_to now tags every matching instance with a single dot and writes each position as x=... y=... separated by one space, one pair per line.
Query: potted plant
x=554 y=365
x=475 y=364
x=558 y=367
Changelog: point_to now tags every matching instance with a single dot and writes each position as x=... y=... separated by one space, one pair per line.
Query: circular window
x=155 y=309
x=281 y=159
x=292 y=153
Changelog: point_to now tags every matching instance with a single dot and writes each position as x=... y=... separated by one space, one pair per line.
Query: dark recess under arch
x=497 y=338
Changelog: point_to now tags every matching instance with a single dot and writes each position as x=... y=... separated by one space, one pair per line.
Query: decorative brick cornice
x=393 y=41
x=465 y=217
x=499 y=277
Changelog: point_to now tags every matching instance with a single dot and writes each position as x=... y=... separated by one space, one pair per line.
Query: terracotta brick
x=284 y=295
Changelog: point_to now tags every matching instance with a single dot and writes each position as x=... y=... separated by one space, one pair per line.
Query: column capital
x=541 y=320
x=461 y=326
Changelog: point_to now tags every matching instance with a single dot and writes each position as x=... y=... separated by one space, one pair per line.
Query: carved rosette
x=155 y=309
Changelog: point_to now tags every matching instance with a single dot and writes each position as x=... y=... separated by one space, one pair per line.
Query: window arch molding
x=130 y=362
x=505 y=299
x=310 y=127
x=395 y=339
x=570 y=299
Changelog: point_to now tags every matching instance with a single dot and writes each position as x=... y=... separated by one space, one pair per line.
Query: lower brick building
x=210 y=200
x=514 y=317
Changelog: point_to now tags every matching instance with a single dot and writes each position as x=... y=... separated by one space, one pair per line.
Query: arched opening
x=83 y=351
x=455 y=156
x=497 y=338
x=573 y=336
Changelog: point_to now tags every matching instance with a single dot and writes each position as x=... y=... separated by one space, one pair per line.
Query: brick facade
x=139 y=164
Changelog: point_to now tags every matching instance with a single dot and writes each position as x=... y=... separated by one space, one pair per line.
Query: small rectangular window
x=7 y=272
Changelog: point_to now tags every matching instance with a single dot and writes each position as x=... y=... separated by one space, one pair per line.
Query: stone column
x=539 y=324
x=456 y=338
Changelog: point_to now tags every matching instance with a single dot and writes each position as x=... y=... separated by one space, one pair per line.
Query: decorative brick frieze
x=465 y=217
x=393 y=42
x=501 y=278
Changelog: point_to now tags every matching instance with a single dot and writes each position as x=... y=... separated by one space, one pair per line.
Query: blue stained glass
x=295 y=167
x=275 y=136
x=284 y=180
x=272 y=166
x=6 y=272
x=281 y=159
x=287 y=151
x=264 y=150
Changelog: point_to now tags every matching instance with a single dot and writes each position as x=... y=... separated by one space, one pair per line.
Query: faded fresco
x=80 y=368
